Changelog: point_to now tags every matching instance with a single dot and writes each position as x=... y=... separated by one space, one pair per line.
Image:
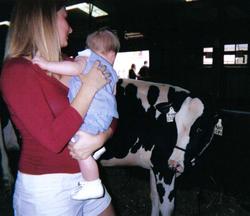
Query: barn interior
x=199 y=45
x=175 y=32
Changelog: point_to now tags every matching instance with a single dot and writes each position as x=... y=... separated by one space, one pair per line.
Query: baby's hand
x=39 y=60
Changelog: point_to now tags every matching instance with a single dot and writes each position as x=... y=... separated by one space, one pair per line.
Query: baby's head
x=105 y=43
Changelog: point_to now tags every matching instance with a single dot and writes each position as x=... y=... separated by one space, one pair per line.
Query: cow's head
x=195 y=122
x=201 y=134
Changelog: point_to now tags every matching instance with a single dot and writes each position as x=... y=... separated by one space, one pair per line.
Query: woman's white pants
x=49 y=195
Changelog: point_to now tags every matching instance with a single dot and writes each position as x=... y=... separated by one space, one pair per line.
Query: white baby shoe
x=88 y=190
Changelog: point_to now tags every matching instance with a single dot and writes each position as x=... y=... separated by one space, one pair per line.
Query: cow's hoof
x=8 y=181
x=7 y=188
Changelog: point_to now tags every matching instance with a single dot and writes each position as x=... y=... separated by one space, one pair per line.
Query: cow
x=8 y=141
x=162 y=128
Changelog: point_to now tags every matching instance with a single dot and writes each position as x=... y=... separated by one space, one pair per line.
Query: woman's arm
x=31 y=101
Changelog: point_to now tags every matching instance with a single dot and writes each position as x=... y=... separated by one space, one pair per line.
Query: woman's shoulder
x=19 y=66
x=16 y=70
x=16 y=62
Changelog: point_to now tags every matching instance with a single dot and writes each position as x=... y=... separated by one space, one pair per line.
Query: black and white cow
x=162 y=128
x=8 y=141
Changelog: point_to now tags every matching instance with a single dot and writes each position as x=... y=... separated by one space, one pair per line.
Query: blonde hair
x=103 y=41
x=32 y=29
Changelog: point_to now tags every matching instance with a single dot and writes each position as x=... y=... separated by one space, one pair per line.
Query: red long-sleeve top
x=40 y=109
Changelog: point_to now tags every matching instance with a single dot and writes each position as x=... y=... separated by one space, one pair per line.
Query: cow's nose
x=175 y=165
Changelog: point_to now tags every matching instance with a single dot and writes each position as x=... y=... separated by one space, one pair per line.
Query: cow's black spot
x=161 y=191
x=153 y=94
x=176 y=98
x=171 y=195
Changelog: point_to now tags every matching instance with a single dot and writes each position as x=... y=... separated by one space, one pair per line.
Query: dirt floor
x=131 y=197
x=130 y=190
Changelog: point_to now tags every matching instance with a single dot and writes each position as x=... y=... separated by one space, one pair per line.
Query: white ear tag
x=218 y=130
x=171 y=115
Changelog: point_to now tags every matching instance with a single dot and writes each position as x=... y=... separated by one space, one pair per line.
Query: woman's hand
x=86 y=144
x=96 y=78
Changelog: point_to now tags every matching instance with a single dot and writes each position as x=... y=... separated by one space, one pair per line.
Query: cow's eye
x=198 y=130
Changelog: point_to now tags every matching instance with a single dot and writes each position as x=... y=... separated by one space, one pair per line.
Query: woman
x=39 y=107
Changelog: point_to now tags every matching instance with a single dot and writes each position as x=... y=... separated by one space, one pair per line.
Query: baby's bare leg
x=91 y=187
x=89 y=169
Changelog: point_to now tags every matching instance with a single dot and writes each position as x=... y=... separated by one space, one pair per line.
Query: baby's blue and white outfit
x=103 y=106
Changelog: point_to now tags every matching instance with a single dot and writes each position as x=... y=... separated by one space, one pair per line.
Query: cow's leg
x=154 y=195
x=10 y=138
x=190 y=110
x=7 y=175
x=168 y=199
x=163 y=197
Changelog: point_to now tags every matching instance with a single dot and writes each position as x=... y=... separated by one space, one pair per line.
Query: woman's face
x=63 y=27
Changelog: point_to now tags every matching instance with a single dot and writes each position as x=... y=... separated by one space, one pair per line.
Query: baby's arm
x=63 y=67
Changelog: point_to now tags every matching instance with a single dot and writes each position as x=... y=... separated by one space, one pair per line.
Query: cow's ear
x=163 y=107
x=171 y=94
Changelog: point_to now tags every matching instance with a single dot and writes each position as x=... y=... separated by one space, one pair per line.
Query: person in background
x=131 y=72
x=144 y=71
x=37 y=100
x=102 y=45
